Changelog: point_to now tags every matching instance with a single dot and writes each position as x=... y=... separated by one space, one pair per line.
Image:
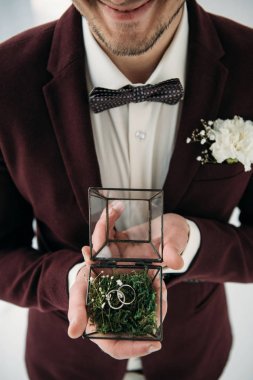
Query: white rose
x=233 y=140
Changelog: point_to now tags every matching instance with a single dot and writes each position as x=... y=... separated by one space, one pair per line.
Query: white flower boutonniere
x=228 y=141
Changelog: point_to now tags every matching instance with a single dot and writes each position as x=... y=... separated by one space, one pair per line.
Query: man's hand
x=175 y=231
x=77 y=315
x=175 y=239
x=176 y=234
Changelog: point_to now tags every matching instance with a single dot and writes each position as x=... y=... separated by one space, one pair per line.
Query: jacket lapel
x=206 y=78
x=67 y=102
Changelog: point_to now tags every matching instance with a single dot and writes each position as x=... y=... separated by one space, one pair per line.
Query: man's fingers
x=86 y=255
x=119 y=349
x=164 y=300
x=115 y=210
x=172 y=257
x=176 y=234
x=77 y=311
x=77 y=326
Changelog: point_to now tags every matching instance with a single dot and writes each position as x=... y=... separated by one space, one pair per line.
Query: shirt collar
x=106 y=74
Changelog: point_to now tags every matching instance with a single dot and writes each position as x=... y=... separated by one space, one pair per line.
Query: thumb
x=86 y=255
x=77 y=314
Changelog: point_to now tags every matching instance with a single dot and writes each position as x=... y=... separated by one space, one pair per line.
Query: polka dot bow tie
x=169 y=92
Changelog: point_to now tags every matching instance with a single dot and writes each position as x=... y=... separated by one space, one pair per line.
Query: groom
x=54 y=145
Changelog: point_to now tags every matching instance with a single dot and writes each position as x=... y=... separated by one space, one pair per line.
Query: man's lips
x=125 y=9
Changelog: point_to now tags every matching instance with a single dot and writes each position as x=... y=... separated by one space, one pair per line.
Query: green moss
x=135 y=319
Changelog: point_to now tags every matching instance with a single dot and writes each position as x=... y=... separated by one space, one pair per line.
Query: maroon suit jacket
x=48 y=161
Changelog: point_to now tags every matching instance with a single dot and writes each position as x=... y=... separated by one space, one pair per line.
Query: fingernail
x=118 y=206
x=153 y=349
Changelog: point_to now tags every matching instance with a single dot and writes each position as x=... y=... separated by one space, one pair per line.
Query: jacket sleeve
x=226 y=251
x=29 y=277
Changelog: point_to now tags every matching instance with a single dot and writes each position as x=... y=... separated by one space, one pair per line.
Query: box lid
x=126 y=225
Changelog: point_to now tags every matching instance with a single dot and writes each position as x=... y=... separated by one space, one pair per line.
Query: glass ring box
x=124 y=297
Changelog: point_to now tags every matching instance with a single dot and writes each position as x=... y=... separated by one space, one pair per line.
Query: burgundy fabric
x=51 y=355
x=197 y=336
x=48 y=161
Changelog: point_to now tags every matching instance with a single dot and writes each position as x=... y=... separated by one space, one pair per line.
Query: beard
x=132 y=46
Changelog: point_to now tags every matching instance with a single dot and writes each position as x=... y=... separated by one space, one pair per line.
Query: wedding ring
x=120 y=296
x=134 y=294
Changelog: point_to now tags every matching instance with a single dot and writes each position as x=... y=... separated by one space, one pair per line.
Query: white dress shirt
x=134 y=143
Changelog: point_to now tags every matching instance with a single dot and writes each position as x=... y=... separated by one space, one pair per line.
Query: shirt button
x=140 y=135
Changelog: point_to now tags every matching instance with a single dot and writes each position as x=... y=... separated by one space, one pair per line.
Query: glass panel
x=125 y=302
x=97 y=207
x=126 y=224
x=156 y=206
x=133 y=223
